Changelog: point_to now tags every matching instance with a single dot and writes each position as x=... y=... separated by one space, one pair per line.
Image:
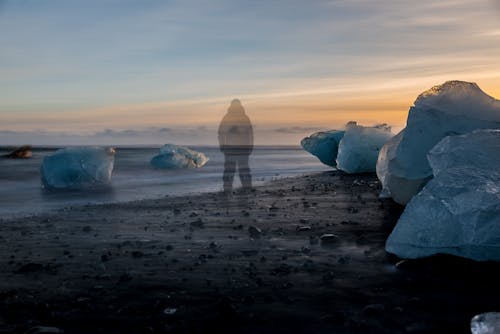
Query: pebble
x=254 y=232
x=43 y=329
x=170 y=311
x=329 y=238
x=197 y=223
x=373 y=310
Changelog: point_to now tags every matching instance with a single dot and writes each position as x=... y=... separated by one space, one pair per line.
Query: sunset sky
x=151 y=72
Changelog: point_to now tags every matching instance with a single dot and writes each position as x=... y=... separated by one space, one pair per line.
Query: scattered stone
x=313 y=240
x=329 y=239
x=255 y=232
x=373 y=310
x=137 y=254
x=30 y=268
x=352 y=210
x=250 y=252
x=198 y=223
x=170 y=311
x=303 y=228
x=44 y=330
x=343 y=260
x=282 y=270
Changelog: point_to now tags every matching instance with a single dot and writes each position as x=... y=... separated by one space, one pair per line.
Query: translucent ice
x=456 y=107
x=174 y=157
x=485 y=323
x=359 y=148
x=77 y=167
x=324 y=145
x=458 y=211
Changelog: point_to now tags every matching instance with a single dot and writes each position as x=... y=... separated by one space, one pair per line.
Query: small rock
x=329 y=239
x=30 y=268
x=137 y=254
x=353 y=210
x=124 y=278
x=197 y=223
x=254 y=232
x=313 y=240
x=44 y=330
x=373 y=310
x=170 y=311
x=303 y=228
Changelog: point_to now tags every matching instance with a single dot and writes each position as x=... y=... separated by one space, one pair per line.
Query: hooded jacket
x=235 y=131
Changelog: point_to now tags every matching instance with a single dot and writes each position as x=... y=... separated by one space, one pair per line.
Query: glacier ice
x=77 y=167
x=485 y=323
x=453 y=108
x=458 y=211
x=360 y=146
x=175 y=157
x=324 y=145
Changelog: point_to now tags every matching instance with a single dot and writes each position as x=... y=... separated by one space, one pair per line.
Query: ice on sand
x=485 y=323
x=458 y=211
x=77 y=167
x=175 y=157
x=359 y=148
x=453 y=108
x=324 y=145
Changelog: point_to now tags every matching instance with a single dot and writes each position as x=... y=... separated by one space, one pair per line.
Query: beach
x=302 y=254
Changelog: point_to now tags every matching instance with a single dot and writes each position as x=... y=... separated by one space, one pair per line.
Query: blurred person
x=236 y=142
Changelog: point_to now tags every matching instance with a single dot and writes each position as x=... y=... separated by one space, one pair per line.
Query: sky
x=144 y=72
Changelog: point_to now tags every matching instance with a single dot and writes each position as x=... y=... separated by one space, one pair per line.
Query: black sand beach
x=250 y=263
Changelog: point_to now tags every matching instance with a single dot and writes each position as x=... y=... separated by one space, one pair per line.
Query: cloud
x=144 y=136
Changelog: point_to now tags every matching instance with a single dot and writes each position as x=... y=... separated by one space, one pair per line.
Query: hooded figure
x=236 y=142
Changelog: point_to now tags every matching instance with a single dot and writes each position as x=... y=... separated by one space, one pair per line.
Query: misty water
x=21 y=192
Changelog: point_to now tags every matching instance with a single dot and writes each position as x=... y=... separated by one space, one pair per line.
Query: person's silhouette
x=236 y=142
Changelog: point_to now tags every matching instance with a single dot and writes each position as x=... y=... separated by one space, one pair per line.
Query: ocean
x=21 y=192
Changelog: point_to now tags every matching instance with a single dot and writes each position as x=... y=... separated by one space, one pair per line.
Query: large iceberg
x=324 y=145
x=175 y=157
x=77 y=167
x=359 y=148
x=458 y=211
x=456 y=107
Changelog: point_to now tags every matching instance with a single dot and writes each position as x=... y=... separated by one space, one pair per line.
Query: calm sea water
x=133 y=178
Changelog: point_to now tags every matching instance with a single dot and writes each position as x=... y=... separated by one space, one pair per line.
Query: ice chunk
x=485 y=323
x=174 y=157
x=324 y=145
x=77 y=167
x=456 y=107
x=360 y=147
x=458 y=211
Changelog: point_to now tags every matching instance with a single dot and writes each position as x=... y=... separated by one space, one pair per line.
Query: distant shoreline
x=15 y=216
x=131 y=147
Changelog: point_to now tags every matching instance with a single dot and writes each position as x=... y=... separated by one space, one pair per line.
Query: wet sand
x=248 y=263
